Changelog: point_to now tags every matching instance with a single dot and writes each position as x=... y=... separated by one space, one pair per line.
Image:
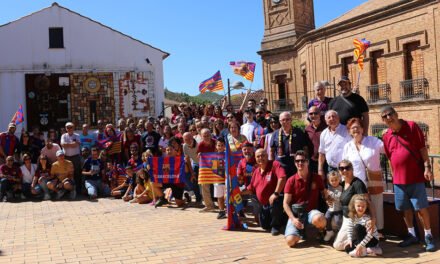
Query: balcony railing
x=414 y=89
x=282 y=105
x=379 y=93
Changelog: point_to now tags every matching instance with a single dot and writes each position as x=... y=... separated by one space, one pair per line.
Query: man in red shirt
x=8 y=143
x=301 y=196
x=247 y=165
x=267 y=183
x=404 y=145
x=10 y=178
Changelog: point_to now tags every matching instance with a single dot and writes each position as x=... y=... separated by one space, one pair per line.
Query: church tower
x=284 y=22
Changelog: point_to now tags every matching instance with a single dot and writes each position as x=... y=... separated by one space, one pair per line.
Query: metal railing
x=283 y=105
x=379 y=93
x=433 y=188
x=414 y=89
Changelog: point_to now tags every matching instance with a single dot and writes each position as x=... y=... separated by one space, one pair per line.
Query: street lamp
x=235 y=85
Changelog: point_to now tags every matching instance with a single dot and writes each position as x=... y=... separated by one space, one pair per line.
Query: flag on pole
x=359 y=52
x=234 y=201
x=18 y=117
x=212 y=84
x=243 y=68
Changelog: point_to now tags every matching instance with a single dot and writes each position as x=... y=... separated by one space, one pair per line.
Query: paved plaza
x=110 y=231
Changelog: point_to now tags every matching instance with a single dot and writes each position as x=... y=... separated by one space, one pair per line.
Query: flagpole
x=229 y=92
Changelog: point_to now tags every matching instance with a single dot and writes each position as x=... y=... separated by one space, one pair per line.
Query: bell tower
x=285 y=21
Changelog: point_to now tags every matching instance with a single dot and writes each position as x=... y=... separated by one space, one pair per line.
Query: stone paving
x=111 y=231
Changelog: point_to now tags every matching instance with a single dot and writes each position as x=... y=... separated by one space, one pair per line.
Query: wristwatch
x=276 y=194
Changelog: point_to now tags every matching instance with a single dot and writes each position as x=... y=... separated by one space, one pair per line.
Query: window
x=281 y=83
x=413 y=61
x=56 y=39
x=346 y=66
x=377 y=67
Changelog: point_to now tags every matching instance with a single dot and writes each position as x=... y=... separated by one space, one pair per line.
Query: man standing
x=71 y=142
x=205 y=146
x=321 y=101
x=301 y=196
x=8 y=143
x=314 y=130
x=267 y=183
x=286 y=141
x=331 y=143
x=50 y=150
x=150 y=139
x=192 y=161
x=349 y=104
x=87 y=139
x=405 y=147
x=249 y=127
x=99 y=133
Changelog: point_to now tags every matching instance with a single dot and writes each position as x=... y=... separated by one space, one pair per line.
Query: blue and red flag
x=18 y=117
x=212 y=84
x=243 y=68
x=167 y=169
x=234 y=201
x=212 y=168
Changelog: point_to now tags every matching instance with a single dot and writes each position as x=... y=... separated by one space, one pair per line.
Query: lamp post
x=235 y=85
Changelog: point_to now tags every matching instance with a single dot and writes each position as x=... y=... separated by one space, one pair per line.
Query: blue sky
x=201 y=35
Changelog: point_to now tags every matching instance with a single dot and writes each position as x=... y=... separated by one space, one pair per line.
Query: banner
x=167 y=169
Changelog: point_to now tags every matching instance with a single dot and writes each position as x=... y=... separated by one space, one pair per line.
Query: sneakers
x=275 y=231
x=329 y=235
x=430 y=245
x=374 y=251
x=221 y=215
x=207 y=210
x=408 y=241
x=353 y=253
x=160 y=202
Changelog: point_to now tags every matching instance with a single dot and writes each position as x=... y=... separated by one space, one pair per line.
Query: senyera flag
x=212 y=84
x=234 y=201
x=359 y=51
x=167 y=169
x=243 y=68
x=212 y=168
x=18 y=117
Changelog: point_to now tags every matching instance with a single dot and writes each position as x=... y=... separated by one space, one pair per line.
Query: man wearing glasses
x=301 y=195
x=70 y=141
x=314 y=130
x=10 y=178
x=405 y=147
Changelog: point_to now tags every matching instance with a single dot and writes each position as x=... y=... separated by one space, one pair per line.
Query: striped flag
x=243 y=68
x=18 y=117
x=212 y=168
x=359 y=52
x=212 y=84
x=167 y=169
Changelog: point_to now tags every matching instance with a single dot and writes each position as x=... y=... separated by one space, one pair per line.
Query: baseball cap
x=68 y=124
x=12 y=125
x=343 y=79
x=60 y=153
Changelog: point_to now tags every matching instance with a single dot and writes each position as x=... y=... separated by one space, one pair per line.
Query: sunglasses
x=313 y=113
x=301 y=161
x=260 y=113
x=344 y=168
x=387 y=115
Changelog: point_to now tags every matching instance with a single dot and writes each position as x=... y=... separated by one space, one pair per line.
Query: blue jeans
x=95 y=186
x=42 y=187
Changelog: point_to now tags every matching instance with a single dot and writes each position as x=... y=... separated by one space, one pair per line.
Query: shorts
x=219 y=190
x=291 y=229
x=410 y=196
x=177 y=190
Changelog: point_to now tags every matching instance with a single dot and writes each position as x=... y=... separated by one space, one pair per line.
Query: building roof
x=237 y=99
x=56 y=5
x=364 y=8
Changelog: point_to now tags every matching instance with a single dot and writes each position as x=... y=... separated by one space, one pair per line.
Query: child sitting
x=360 y=241
x=143 y=192
x=126 y=188
x=334 y=211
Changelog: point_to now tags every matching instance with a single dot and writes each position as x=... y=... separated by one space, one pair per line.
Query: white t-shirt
x=66 y=138
x=28 y=175
x=248 y=130
x=331 y=144
x=370 y=151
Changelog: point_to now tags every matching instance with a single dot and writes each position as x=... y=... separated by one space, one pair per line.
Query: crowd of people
x=327 y=175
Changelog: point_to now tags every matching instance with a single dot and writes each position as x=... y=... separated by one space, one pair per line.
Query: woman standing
x=364 y=152
x=234 y=138
x=274 y=124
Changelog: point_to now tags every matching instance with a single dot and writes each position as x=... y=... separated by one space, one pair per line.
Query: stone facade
x=400 y=68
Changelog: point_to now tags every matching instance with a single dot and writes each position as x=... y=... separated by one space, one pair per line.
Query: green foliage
x=205 y=98
x=299 y=124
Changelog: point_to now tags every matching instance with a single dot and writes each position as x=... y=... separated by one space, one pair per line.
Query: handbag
x=374 y=178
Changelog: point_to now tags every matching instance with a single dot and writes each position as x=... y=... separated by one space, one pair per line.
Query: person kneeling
x=301 y=196
x=62 y=169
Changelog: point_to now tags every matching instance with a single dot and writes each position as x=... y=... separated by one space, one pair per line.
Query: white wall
x=24 y=48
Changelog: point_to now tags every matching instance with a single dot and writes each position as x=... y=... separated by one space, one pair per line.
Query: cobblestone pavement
x=110 y=231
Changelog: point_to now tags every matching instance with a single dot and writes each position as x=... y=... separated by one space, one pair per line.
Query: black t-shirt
x=347 y=107
x=151 y=141
x=357 y=186
x=95 y=166
x=285 y=157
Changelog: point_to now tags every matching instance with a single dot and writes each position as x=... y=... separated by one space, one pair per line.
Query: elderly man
x=192 y=161
x=301 y=196
x=267 y=183
x=349 y=104
x=314 y=130
x=205 y=146
x=321 y=101
x=405 y=147
x=10 y=179
x=71 y=142
x=63 y=171
x=331 y=143
x=8 y=143
x=247 y=165
x=286 y=141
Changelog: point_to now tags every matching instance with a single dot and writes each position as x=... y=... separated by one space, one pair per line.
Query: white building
x=62 y=66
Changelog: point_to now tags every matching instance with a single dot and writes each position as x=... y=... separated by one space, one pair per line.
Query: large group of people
x=327 y=175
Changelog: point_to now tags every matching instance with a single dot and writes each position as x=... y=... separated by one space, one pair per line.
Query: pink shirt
x=51 y=153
